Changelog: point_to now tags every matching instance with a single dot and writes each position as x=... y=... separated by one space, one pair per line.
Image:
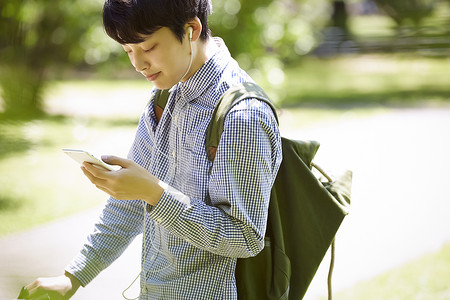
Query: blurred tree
x=264 y=35
x=39 y=38
x=285 y=28
x=41 y=35
x=402 y=11
x=339 y=16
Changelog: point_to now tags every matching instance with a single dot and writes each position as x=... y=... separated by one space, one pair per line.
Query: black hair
x=127 y=20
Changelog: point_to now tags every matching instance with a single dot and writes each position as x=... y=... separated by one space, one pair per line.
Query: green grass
x=426 y=278
x=368 y=80
x=371 y=26
x=38 y=183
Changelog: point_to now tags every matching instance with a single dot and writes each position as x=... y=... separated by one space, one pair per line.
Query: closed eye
x=127 y=49
x=151 y=49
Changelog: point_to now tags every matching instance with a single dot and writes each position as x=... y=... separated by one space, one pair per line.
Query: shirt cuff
x=169 y=207
x=84 y=269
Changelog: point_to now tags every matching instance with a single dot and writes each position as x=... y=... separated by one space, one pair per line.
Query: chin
x=163 y=85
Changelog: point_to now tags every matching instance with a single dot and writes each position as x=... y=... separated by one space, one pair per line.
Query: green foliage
x=265 y=35
x=42 y=35
x=402 y=11
x=282 y=28
x=22 y=90
x=40 y=38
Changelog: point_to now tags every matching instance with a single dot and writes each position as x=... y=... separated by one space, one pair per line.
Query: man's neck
x=202 y=51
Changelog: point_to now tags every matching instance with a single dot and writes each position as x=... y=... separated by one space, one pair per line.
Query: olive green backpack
x=304 y=213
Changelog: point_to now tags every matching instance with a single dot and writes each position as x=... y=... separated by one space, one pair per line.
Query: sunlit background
x=370 y=80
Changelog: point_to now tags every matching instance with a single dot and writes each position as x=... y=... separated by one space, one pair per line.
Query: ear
x=196 y=26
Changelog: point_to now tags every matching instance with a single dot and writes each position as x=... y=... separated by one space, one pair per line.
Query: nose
x=140 y=63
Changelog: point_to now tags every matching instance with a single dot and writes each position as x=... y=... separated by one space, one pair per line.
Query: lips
x=152 y=77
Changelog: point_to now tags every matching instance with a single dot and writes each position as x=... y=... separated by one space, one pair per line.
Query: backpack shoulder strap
x=161 y=98
x=231 y=97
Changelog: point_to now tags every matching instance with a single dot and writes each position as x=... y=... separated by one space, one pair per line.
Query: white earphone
x=190 y=32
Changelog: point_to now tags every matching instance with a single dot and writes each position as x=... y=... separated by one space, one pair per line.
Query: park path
x=399 y=212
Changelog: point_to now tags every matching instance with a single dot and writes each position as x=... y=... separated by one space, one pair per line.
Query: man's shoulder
x=249 y=107
x=252 y=108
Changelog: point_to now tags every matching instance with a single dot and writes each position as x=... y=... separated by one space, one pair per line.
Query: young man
x=197 y=217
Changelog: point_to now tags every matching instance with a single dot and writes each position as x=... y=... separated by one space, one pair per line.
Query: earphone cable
x=144 y=242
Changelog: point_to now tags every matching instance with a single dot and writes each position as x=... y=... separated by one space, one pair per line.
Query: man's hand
x=59 y=288
x=131 y=182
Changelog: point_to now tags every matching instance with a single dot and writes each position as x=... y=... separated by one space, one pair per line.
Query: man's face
x=161 y=58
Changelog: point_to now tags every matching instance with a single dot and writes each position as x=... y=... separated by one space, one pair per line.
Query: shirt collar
x=209 y=73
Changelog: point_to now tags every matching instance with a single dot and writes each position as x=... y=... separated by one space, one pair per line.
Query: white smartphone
x=81 y=156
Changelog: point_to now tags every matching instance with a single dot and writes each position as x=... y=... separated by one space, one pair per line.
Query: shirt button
x=159 y=220
x=173 y=154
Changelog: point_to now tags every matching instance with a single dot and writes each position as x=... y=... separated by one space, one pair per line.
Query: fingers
x=118 y=161
x=94 y=171
x=99 y=177
x=95 y=175
x=32 y=288
x=107 y=190
x=35 y=289
x=59 y=288
x=129 y=183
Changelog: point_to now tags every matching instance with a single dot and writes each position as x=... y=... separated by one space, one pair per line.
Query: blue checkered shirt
x=211 y=213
